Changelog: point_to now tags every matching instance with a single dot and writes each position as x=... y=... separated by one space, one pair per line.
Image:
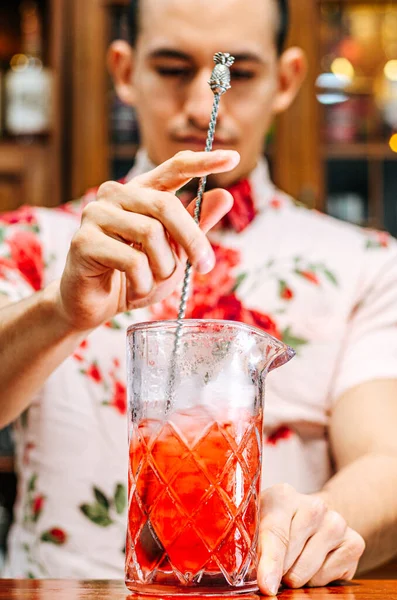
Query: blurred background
x=62 y=130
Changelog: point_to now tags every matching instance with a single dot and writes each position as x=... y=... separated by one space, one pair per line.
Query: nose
x=199 y=101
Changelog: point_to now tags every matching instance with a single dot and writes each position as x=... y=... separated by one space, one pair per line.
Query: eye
x=173 y=71
x=241 y=74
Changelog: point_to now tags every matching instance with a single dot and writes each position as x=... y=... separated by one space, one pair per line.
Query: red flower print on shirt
x=27 y=256
x=213 y=297
x=262 y=321
x=275 y=203
x=282 y=433
x=230 y=308
x=79 y=353
x=309 y=276
x=220 y=281
x=37 y=506
x=285 y=292
x=119 y=399
x=207 y=289
x=378 y=239
x=243 y=211
x=94 y=373
x=26 y=452
x=24 y=215
x=55 y=536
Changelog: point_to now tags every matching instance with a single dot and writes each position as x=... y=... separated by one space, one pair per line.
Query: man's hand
x=132 y=245
x=303 y=542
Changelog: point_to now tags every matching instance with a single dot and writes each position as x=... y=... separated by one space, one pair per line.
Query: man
x=330 y=465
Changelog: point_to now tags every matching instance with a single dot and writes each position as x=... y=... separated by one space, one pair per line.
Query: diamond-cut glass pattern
x=166 y=517
x=135 y=516
x=190 y=485
x=193 y=512
x=187 y=552
x=233 y=553
x=250 y=517
x=214 y=446
x=167 y=452
x=251 y=451
x=235 y=483
x=220 y=519
x=148 y=486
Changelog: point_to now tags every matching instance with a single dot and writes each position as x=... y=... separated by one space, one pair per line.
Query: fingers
x=145 y=233
x=150 y=196
x=167 y=209
x=303 y=542
x=341 y=563
x=305 y=523
x=279 y=505
x=179 y=224
x=92 y=250
x=181 y=168
x=329 y=536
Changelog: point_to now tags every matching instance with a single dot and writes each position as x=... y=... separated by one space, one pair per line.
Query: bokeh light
x=393 y=142
x=390 y=70
x=342 y=67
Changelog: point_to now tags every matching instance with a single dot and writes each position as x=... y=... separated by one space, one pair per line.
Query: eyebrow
x=179 y=55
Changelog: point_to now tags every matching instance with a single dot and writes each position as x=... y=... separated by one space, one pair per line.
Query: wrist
x=51 y=301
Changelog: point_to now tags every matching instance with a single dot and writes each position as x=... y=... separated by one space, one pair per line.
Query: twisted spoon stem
x=219 y=83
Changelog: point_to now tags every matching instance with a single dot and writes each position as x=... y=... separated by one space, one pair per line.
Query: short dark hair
x=282 y=32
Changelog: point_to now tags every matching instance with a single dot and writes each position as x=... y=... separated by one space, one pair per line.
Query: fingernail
x=231 y=155
x=272 y=582
x=206 y=263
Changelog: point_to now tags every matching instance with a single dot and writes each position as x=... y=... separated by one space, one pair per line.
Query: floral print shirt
x=327 y=288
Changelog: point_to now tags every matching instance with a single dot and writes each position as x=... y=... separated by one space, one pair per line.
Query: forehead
x=203 y=27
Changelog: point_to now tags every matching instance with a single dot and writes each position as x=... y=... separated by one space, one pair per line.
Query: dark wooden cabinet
x=32 y=170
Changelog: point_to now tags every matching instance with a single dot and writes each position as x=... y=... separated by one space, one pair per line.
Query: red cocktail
x=193 y=509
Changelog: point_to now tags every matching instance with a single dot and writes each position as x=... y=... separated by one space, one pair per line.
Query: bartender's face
x=166 y=76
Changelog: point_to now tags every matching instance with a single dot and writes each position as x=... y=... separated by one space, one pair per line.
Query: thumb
x=278 y=509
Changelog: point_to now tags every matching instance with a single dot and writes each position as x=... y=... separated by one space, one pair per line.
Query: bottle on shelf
x=28 y=84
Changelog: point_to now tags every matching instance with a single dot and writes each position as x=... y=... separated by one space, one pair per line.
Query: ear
x=291 y=73
x=120 y=61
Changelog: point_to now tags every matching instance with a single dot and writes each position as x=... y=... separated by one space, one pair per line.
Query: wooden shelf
x=26 y=174
x=6 y=464
x=123 y=151
x=352 y=151
x=116 y=2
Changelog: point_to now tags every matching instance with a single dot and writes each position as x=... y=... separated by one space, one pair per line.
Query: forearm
x=364 y=493
x=34 y=341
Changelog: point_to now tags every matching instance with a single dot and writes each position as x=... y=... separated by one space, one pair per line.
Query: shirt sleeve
x=370 y=348
x=21 y=254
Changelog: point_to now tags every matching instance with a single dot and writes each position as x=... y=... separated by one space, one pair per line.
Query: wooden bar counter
x=115 y=590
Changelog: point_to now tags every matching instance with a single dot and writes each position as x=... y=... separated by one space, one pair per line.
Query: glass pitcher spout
x=272 y=353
